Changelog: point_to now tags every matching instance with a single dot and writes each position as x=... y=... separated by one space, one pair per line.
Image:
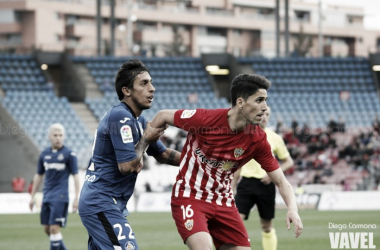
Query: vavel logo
x=351 y=240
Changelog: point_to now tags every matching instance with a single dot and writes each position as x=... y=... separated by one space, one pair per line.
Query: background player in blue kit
x=122 y=137
x=56 y=163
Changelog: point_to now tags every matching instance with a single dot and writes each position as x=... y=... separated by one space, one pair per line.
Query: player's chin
x=256 y=121
x=146 y=106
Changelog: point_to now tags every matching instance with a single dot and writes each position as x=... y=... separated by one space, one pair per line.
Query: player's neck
x=137 y=112
x=56 y=148
x=236 y=122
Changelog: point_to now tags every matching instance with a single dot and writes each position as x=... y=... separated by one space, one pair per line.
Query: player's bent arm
x=235 y=180
x=169 y=156
x=287 y=163
x=150 y=135
x=163 y=118
x=76 y=198
x=287 y=194
x=37 y=179
x=135 y=165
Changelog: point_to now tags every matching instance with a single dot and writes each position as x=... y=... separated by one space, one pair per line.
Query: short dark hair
x=245 y=85
x=127 y=74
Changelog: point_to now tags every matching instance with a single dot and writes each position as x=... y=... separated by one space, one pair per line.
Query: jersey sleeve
x=72 y=163
x=156 y=148
x=120 y=129
x=265 y=157
x=189 y=120
x=40 y=165
x=280 y=149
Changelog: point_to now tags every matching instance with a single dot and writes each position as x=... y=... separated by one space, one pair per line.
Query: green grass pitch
x=156 y=231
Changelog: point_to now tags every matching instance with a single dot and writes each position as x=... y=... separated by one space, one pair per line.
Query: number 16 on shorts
x=187 y=213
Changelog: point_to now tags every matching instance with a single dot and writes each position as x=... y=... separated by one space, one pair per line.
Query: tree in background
x=303 y=43
x=176 y=48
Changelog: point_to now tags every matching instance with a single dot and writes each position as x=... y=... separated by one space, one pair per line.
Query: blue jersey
x=57 y=165
x=115 y=138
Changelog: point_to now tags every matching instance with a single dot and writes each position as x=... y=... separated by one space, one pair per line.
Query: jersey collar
x=130 y=109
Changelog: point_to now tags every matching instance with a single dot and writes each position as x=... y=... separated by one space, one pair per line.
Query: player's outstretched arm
x=286 y=191
x=150 y=135
x=163 y=118
x=169 y=156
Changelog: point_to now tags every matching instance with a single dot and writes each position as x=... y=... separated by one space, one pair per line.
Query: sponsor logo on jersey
x=238 y=152
x=189 y=224
x=126 y=134
x=227 y=165
x=60 y=157
x=204 y=159
x=90 y=178
x=56 y=166
x=47 y=157
x=188 y=113
x=130 y=245
x=125 y=119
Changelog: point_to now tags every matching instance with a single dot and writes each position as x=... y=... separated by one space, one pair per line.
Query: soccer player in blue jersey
x=56 y=163
x=122 y=137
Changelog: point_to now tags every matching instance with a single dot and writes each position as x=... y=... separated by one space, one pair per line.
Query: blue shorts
x=54 y=213
x=109 y=230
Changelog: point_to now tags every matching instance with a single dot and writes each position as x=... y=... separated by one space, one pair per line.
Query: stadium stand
x=180 y=82
x=313 y=90
x=33 y=104
x=325 y=107
x=21 y=72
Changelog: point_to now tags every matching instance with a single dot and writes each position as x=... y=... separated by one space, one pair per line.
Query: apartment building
x=186 y=27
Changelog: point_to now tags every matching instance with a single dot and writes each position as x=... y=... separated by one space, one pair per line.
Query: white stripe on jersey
x=198 y=182
x=189 y=172
x=179 y=182
x=177 y=185
x=209 y=185
x=210 y=181
x=57 y=166
x=220 y=197
x=228 y=194
x=117 y=248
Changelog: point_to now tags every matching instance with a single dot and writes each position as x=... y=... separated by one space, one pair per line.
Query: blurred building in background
x=183 y=27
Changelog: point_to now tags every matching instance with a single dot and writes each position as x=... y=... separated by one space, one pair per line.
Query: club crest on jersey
x=238 y=152
x=188 y=113
x=227 y=165
x=60 y=157
x=126 y=134
x=130 y=245
x=189 y=224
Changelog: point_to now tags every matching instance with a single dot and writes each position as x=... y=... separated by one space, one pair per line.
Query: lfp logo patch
x=188 y=113
x=126 y=134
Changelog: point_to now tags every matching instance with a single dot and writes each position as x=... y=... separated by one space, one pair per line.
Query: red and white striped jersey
x=213 y=152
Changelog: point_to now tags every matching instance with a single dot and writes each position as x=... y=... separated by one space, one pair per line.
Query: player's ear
x=126 y=91
x=240 y=102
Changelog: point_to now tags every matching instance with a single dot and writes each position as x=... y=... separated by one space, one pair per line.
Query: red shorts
x=223 y=223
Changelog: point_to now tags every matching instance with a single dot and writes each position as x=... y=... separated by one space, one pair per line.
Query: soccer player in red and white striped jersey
x=219 y=142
